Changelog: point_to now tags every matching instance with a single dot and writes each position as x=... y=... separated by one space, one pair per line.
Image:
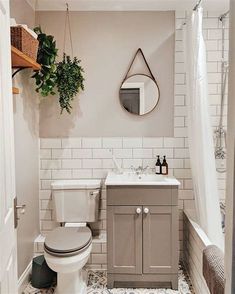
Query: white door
x=8 y=254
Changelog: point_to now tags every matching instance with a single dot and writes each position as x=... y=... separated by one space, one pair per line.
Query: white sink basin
x=131 y=179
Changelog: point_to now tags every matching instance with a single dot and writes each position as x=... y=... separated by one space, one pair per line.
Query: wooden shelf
x=20 y=60
x=15 y=90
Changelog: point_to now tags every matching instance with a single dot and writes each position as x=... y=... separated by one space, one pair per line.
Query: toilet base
x=72 y=283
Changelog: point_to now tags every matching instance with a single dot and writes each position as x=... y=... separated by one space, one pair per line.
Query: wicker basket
x=24 y=41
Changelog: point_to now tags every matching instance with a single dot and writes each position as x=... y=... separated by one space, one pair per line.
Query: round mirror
x=139 y=94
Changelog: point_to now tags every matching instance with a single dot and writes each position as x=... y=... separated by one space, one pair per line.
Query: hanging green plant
x=46 y=77
x=69 y=81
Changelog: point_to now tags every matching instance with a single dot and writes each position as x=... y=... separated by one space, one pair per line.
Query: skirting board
x=24 y=278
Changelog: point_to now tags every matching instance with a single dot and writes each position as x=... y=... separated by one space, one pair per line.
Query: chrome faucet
x=139 y=170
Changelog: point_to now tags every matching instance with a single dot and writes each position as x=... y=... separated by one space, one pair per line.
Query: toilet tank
x=76 y=200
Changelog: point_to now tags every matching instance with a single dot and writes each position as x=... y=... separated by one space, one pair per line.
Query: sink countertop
x=132 y=179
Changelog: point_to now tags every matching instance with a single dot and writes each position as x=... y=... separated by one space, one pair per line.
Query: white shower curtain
x=200 y=135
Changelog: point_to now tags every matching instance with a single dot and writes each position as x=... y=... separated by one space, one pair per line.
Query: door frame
x=8 y=244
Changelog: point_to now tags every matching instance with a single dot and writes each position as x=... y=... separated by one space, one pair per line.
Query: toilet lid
x=65 y=240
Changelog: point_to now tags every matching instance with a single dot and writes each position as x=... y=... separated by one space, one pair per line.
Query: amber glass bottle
x=158 y=166
x=164 y=166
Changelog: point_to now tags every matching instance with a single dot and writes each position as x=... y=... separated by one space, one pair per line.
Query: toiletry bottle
x=164 y=166
x=158 y=166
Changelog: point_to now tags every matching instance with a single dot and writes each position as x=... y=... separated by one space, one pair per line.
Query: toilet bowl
x=67 y=248
x=66 y=252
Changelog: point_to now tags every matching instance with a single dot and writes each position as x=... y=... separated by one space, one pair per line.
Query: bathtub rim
x=191 y=216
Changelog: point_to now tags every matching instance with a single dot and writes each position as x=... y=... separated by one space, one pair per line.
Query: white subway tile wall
x=79 y=158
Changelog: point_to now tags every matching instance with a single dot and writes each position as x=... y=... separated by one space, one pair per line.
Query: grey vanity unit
x=142 y=235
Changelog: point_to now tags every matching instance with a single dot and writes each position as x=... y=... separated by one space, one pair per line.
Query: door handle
x=146 y=210
x=138 y=210
x=94 y=193
x=21 y=209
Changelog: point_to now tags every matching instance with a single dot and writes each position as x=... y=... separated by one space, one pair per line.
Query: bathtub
x=194 y=241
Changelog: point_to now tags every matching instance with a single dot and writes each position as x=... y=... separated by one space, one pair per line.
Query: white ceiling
x=122 y=5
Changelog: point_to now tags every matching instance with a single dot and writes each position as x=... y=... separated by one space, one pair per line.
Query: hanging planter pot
x=69 y=74
x=69 y=81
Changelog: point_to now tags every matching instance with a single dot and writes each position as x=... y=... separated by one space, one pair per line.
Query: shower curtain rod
x=221 y=16
x=197 y=5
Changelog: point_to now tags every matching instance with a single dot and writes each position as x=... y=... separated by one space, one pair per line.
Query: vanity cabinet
x=160 y=240
x=142 y=236
x=124 y=240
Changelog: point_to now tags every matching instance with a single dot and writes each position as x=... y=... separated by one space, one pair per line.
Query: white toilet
x=67 y=248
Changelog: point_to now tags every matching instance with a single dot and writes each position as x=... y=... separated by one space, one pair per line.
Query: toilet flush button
x=94 y=193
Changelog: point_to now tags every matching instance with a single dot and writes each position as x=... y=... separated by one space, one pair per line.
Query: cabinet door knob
x=138 y=210
x=146 y=210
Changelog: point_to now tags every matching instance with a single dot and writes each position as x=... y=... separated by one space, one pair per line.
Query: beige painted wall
x=26 y=121
x=22 y=12
x=106 y=43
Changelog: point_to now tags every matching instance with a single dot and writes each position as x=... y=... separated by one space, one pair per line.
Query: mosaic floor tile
x=97 y=285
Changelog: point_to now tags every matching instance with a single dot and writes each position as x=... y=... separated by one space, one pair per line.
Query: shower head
x=222 y=16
